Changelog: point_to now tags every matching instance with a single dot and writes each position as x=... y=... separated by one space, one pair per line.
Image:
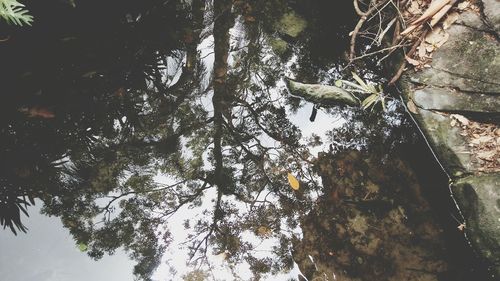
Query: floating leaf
x=294 y=183
x=82 y=247
x=89 y=74
x=38 y=111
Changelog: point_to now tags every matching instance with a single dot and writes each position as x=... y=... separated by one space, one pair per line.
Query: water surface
x=159 y=136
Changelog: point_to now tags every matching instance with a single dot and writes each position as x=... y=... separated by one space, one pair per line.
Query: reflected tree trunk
x=223 y=22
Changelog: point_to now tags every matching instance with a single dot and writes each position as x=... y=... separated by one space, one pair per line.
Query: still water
x=156 y=140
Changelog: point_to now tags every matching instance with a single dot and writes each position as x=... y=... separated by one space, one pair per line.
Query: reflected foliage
x=121 y=122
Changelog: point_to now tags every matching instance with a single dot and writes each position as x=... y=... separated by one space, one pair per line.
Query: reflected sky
x=49 y=253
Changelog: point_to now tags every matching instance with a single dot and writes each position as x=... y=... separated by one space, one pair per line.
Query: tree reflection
x=115 y=141
x=120 y=125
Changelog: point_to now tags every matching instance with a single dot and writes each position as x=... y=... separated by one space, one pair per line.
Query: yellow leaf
x=294 y=183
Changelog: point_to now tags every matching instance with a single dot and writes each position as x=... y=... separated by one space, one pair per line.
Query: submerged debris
x=371 y=223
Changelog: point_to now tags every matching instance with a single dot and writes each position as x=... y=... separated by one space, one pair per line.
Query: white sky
x=48 y=253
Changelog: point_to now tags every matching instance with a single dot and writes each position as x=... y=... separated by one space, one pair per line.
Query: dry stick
x=403 y=65
x=357 y=9
x=364 y=16
x=379 y=51
x=402 y=44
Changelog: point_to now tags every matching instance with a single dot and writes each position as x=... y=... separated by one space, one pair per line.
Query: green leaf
x=82 y=247
x=13 y=12
x=354 y=85
x=360 y=82
x=369 y=101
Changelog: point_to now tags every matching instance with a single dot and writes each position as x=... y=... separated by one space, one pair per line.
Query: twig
x=357 y=9
x=381 y=36
x=379 y=51
x=364 y=17
x=403 y=65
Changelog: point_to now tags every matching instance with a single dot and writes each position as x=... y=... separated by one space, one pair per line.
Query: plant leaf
x=354 y=85
x=369 y=101
x=82 y=247
x=14 y=12
x=360 y=81
x=294 y=183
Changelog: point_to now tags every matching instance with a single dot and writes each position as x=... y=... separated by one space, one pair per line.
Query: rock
x=452 y=149
x=492 y=13
x=469 y=61
x=433 y=98
x=470 y=19
x=323 y=94
x=479 y=200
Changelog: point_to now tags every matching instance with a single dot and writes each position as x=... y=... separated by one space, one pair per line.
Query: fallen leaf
x=463 y=5
x=484 y=139
x=294 y=183
x=38 y=111
x=421 y=49
x=413 y=62
x=433 y=8
x=412 y=107
x=486 y=155
x=439 y=15
x=414 y=8
x=437 y=37
x=461 y=227
x=450 y=19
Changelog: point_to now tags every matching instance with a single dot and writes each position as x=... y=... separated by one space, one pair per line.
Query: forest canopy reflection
x=118 y=122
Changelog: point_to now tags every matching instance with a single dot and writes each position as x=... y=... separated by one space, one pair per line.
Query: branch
x=403 y=64
x=364 y=17
x=106 y=208
x=212 y=227
x=188 y=198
